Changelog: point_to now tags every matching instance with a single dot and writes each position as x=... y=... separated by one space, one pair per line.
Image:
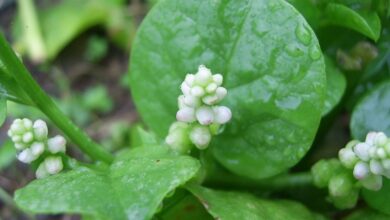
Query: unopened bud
x=40 y=130
x=197 y=91
x=218 y=79
x=222 y=114
x=221 y=92
x=56 y=144
x=362 y=151
x=186 y=114
x=205 y=115
x=41 y=172
x=376 y=167
x=348 y=158
x=26 y=156
x=203 y=76
x=200 y=136
x=361 y=170
x=37 y=148
x=372 y=182
x=53 y=164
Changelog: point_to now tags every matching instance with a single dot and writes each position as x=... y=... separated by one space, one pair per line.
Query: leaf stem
x=13 y=66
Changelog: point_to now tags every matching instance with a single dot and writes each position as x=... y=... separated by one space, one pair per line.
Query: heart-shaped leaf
x=133 y=187
x=272 y=67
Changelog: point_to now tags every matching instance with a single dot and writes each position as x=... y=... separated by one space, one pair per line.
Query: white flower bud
x=347 y=157
x=16 y=138
x=372 y=182
x=191 y=101
x=205 y=115
x=37 y=148
x=20 y=146
x=190 y=79
x=380 y=139
x=386 y=164
x=210 y=99
x=200 y=136
x=26 y=156
x=41 y=172
x=186 y=114
x=372 y=152
x=28 y=137
x=218 y=79
x=376 y=167
x=221 y=92
x=351 y=144
x=53 y=164
x=40 y=130
x=211 y=88
x=178 y=125
x=177 y=138
x=56 y=144
x=185 y=88
x=203 y=76
x=361 y=170
x=197 y=91
x=10 y=133
x=381 y=153
x=27 y=123
x=17 y=127
x=222 y=114
x=362 y=151
x=180 y=102
x=370 y=138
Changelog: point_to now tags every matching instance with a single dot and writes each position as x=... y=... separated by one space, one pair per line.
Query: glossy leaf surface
x=272 y=66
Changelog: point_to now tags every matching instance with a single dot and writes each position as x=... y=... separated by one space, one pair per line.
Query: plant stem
x=6 y=198
x=14 y=67
x=32 y=31
x=280 y=182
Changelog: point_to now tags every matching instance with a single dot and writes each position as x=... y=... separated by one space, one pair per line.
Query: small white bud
x=205 y=115
x=27 y=123
x=210 y=99
x=381 y=153
x=370 y=138
x=222 y=114
x=361 y=170
x=185 y=88
x=372 y=182
x=56 y=144
x=211 y=88
x=20 y=146
x=221 y=92
x=191 y=101
x=26 y=156
x=347 y=157
x=53 y=164
x=351 y=144
x=41 y=172
x=362 y=151
x=372 y=152
x=190 y=79
x=16 y=138
x=10 y=133
x=200 y=136
x=37 y=148
x=386 y=164
x=178 y=125
x=40 y=130
x=218 y=79
x=28 y=137
x=180 y=102
x=376 y=167
x=186 y=114
x=203 y=76
x=17 y=128
x=380 y=139
x=177 y=138
x=197 y=91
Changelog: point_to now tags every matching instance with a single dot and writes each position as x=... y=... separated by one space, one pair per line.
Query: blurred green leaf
x=367 y=214
x=336 y=84
x=133 y=187
x=7 y=154
x=379 y=200
x=372 y=112
x=365 y=22
x=141 y=137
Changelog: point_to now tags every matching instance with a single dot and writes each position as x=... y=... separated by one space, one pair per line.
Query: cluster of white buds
x=31 y=140
x=370 y=160
x=198 y=110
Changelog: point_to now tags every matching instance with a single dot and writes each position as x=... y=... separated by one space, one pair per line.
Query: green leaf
x=7 y=154
x=3 y=108
x=234 y=205
x=336 y=84
x=379 y=200
x=133 y=188
x=141 y=137
x=365 y=214
x=365 y=22
x=272 y=66
x=372 y=112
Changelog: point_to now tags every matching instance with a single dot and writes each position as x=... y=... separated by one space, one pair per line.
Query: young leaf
x=235 y=205
x=133 y=187
x=372 y=112
x=365 y=22
x=272 y=66
x=379 y=200
x=336 y=84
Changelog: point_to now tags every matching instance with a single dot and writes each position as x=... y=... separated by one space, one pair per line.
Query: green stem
x=281 y=182
x=32 y=31
x=14 y=67
x=6 y=198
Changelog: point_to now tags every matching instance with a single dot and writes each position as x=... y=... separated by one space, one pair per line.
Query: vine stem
x=14 y=67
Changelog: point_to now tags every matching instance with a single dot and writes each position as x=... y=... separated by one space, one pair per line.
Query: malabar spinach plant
x=232 y=94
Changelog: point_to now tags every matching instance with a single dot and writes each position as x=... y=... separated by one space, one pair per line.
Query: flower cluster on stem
x=199 y=115
x=369 y=160
x=32 y=143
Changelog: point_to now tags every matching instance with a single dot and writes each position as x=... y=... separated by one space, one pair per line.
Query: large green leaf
x=336 y=86
x=365 y=22
x=233 y=205
x=272 y=67
x=372 y=112
x=379 y=200
x=133 y=188
x=367 y=214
